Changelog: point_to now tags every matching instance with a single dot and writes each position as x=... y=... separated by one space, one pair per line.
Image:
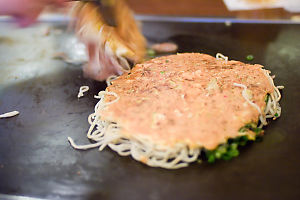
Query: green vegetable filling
x=230 y=150
x=267 y=98
x=251 y=127
x=226 y=151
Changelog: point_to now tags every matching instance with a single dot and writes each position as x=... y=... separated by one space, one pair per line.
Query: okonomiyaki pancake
x=169 y=110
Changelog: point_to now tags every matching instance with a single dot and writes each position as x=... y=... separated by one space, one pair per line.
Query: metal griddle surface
x=36 y=159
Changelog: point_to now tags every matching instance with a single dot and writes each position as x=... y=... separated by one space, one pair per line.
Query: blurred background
x=238 y=9
x=214 y=8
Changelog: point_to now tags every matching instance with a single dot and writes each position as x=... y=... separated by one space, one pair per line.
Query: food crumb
x=249 y=57
x=228 y=23
x=151 y=53
x=165 y=47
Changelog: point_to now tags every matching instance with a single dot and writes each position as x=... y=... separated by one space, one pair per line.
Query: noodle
x=220 y=56
x=110 y=79
x=272 y=109
x=261 y=117
x=82 y=90
x=9 y=114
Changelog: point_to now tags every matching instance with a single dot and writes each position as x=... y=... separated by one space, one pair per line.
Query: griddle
x=36 y=159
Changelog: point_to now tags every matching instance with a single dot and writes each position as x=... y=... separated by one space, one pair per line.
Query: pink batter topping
x=187 y=98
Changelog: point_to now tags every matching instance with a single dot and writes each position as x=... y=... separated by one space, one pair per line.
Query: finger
x=26 y=20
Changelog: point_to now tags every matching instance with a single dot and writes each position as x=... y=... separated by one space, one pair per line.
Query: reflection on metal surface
x=14 y=197
x=60 y=18
x=153 y=18
x=30 y=52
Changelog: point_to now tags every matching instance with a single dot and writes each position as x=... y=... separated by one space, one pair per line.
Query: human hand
x=112 y=50
x=25 y=11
